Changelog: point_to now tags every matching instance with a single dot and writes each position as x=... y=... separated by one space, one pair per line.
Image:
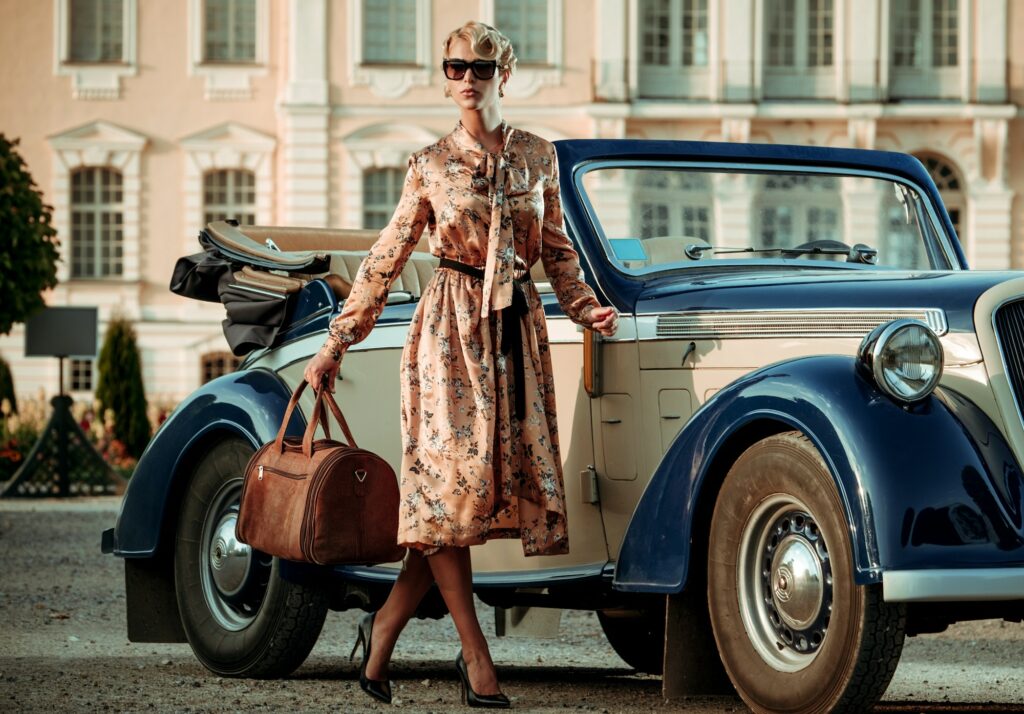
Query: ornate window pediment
x=99 y=144
x=228 y=147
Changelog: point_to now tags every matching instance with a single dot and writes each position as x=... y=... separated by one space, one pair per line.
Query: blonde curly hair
x=487 y=44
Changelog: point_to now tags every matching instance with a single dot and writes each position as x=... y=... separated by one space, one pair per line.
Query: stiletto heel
x=470 y=697
x=379 y=689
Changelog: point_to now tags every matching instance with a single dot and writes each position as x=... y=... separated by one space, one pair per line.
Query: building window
x=925 y=48
x=947 y=180
x=795 y=210
x=80 y=375
x=217 y=364
x=673 y=48
x=229 y=194
x=97 y=221
x=97 y=31
x=382 y=188
x=229 y=31
x=389 y=29
x=799 y=40
x=525 y=22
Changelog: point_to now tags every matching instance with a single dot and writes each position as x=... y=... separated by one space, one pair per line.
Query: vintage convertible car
x=802 y=445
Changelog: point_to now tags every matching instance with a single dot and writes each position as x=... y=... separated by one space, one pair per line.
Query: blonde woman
x=480 y=445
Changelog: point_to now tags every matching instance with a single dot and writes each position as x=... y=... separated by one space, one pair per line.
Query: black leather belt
x=511 y=334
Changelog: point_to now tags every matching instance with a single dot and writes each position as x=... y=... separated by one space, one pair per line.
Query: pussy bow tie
x=504 y=178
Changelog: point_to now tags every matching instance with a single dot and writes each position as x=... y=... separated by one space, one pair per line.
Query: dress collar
x=467 y=141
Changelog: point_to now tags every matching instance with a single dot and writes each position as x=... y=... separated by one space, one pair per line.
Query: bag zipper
x=279 y=472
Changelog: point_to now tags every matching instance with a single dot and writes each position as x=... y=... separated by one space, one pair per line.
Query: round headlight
x=904 y=357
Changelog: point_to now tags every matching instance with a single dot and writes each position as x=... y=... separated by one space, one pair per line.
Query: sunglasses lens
x=454 y=70
x=484 y=70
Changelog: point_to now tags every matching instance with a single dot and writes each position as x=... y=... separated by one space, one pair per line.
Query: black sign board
x=61 y=332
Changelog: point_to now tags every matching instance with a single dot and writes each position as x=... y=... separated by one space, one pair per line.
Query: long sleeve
x=383 y=264
x=561 y=261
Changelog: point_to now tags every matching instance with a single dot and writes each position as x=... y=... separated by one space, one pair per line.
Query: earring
x=447 y=92
x=501 y=91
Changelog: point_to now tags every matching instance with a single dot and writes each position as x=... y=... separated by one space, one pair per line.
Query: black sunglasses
x=482 y=69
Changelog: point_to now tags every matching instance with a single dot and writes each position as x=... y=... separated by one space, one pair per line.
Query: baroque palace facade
x=141 y=120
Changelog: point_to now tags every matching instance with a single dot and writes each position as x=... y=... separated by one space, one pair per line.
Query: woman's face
x=470 y=92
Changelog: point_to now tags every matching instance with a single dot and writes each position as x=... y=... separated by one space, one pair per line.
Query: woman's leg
x=453 y=574
x=412 y=584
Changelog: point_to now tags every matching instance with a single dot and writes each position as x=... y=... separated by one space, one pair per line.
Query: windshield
x=655 y=217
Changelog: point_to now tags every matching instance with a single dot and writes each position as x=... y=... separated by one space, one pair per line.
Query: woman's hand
x=323 y=365
x=604 y=320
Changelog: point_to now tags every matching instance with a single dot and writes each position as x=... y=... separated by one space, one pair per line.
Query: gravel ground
x=63 y=648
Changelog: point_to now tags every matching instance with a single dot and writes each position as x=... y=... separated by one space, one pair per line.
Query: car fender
x=248 y=404
x=898 y=470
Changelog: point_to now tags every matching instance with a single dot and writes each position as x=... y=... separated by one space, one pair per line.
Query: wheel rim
x=785 y=583
x=234 y=577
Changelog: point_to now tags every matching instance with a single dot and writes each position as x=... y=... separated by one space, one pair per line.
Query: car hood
x=955 y=292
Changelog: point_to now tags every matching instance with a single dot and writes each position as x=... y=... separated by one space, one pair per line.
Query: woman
x=481 y=455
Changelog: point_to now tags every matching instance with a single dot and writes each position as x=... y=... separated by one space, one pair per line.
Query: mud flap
x=692 y=664
x=151 y=603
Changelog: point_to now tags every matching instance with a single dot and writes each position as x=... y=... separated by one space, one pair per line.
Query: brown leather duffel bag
x=320 y=501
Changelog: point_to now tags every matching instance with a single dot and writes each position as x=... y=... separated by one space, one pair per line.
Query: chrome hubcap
x=229 y=558
x=785 y=583
x=233 y=576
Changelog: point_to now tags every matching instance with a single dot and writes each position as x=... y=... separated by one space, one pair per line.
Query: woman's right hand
x=321 y=366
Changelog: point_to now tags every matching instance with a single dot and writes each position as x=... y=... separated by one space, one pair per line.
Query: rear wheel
x=240 y=617
x=794 y=631
x=637 y=635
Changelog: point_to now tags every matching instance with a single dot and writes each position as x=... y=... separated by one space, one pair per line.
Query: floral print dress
x=471 y=469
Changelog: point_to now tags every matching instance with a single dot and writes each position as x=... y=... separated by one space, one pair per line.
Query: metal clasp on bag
x=260 y=477
x=361 y=475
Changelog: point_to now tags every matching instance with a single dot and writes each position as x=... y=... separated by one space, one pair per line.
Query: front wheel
x=240 y=617
x=794 y=631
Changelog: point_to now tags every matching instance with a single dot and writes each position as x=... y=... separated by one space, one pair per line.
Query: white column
x=306 y=117
x=989 y=217
x=991 y=20
x=863 y=51
x=739 y=42
x=610 y=62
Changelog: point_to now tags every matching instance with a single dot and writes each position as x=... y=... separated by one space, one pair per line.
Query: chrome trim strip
x=950 y=585
x=498 y=579
x=768 y=324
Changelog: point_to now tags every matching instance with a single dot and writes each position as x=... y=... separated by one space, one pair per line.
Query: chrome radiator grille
x=738 y=324
x=1009 y=324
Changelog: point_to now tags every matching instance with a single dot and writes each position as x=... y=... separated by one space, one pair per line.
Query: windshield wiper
x=859 y=253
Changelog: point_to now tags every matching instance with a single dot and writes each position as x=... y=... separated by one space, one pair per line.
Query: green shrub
x=120 y=386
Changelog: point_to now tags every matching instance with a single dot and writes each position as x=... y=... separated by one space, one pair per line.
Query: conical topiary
x=7 y=386
x=120 y=386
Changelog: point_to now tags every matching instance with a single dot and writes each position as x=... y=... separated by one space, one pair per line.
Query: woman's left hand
x=604 y=320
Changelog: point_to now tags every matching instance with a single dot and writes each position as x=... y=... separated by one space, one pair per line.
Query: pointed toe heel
x=470 y=697
x=379 y=689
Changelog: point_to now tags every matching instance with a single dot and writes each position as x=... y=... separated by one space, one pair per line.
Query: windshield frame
x=937 y=242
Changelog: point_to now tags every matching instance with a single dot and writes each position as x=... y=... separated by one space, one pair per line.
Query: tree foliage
x=120 y=386
x=28 y=243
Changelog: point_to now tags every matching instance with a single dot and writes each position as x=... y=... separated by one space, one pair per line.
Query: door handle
x=611 y=421
x=671 y=416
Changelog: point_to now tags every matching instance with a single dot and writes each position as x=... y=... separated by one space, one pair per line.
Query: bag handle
x=319 y=412
x=319 y=416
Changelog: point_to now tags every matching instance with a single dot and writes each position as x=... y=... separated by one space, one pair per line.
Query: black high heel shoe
x=379 y=689
x=490 y=701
